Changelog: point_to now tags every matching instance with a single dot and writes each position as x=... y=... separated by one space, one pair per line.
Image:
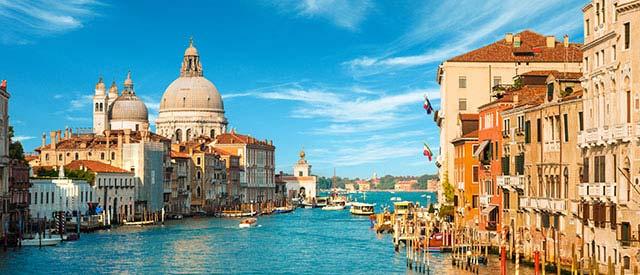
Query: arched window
x=178 y=135
x=77 y=156
x=101 y=107
x=213 y=133
x=565 y=176
x=198 y=175
x=59 y=156
x=102 y=156
x=97 y=107
x=46 y=156
x=198 y=191
x=188 y=137
x=113 y=155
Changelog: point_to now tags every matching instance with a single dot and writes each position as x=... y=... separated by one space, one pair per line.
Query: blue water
x=307 y=241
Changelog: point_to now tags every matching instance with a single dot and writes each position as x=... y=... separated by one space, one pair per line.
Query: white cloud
x=81 y=102
x=348 y=14
x=22 y=138
x=24 y=20
x=443 y=34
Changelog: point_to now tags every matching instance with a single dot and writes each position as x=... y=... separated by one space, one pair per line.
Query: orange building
x=405 y=185
x=465 y=175
x=363 y=185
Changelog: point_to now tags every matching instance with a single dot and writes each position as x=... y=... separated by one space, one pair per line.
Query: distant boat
x=396 y=199
x=236 y=214
x=321 y=201
x=248 y=222
x=52 y=240
x=359 y=208
x=282 y=210
x=333 y=207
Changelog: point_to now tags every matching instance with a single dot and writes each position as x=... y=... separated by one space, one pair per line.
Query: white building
x=191 y=106
x=119 y=186
x=302 y=183
x=62 y=194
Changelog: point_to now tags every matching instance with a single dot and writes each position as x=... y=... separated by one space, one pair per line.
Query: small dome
x=100 y=86
x=128 y=107
x=191 y=93
x=113 y=90
x=191 y=50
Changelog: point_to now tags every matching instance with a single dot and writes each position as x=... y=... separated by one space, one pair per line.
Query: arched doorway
x=302 y=193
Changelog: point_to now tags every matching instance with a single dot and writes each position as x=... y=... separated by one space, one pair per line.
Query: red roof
x=235 y=138
x=533 y=48
x=466 y=117
x=177 y=154
x=222 y=152
x=472 y=134
x=94 y=166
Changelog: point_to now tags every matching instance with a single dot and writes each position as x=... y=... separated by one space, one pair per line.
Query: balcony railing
x=525 y=202
x=600 y=190
x=484 y=200
x=552 y=146
x=503 y=181
x=517 y=182
x=461 y=186
x=623 y=132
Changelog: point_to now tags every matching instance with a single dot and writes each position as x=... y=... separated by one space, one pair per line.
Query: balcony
x=582 y=139
x=484 y=200
x=552 y=146
x=503 y=181
x=461 y=186
x=623 y=132
x=525 y=202
x=517 y=182
x=602 y=191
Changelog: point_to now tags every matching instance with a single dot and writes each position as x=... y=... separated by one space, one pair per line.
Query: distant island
x=388 y=182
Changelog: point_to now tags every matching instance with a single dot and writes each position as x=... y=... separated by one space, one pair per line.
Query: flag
x=427 y=105
x=426 y=151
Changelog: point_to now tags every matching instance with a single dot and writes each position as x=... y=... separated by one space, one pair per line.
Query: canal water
x=307 y=241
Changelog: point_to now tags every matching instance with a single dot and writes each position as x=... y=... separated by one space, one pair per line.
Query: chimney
x=44 y=139
x=551 y=41
x=516 y=41
x=52 y=134
x=59 y=135
x=107 y=134
x=508 y=38
x=566 y=41
x=127 y=136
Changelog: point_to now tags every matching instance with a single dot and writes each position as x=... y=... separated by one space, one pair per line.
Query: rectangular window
x=550 y=92
x=474 y=201
x=462 y=82
x=587 y=27
x=539 y=130
x=497 y=80
x=475 y=174
x=581 y=121
x=527 y=132
x=615 y=165
x=35 y=201
x=505 y=166
x=627 y=35
x=462 y=104
x=566 y=127
x=614 y=55
x=628 y=106
x=585 y=170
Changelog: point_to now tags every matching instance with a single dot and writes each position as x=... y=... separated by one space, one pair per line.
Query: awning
x=488 y=209
x=481 y=148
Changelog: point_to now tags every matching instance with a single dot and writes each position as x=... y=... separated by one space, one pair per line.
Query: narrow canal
x=307 y=241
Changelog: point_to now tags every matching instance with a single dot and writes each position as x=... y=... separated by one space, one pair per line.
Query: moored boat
x=333 y=207
x=403 y=207
x=360 y=208
x=322 y=201
x=51 y=240
x=236 y=214
x=248 y=222
x=283 y=209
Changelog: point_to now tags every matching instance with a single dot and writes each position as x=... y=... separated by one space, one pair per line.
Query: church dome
x=128 y=107
x=191 y=93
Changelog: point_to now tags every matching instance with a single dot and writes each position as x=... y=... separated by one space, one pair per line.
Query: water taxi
x=283 y=209
x=403 y=207
x=248 y=222
x=360 y=208
x=236 y=214
x=322 y=201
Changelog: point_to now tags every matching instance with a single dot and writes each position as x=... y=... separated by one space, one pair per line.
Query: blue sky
x=343 y=79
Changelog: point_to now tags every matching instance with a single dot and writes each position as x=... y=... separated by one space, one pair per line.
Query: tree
x=15 y=148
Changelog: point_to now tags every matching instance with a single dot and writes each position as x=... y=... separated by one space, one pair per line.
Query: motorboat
x=283 y=209
x=322 y=201
x=248 y=222
x=360 y=208
x=236 y=214
x=333 y=207
x=395 y=199
x=402 y=207
x=47 y=241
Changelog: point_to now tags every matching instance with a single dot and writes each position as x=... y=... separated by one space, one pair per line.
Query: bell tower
x=100 y=108
x=302 y=168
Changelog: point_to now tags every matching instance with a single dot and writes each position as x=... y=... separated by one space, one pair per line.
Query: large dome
x=191 y=93
x=128 y=107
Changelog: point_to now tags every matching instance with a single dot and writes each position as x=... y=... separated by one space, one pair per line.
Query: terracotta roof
x=94 y=166
x=30 y=158
x=92 y=141
x=539 y=73
x=177 y=154
x=576 y=94
x=222 y=152
x=532 y=49
x=232 y=137
x=472 y=134
x=465 y=117
x=530 y=95
x=567 y=75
